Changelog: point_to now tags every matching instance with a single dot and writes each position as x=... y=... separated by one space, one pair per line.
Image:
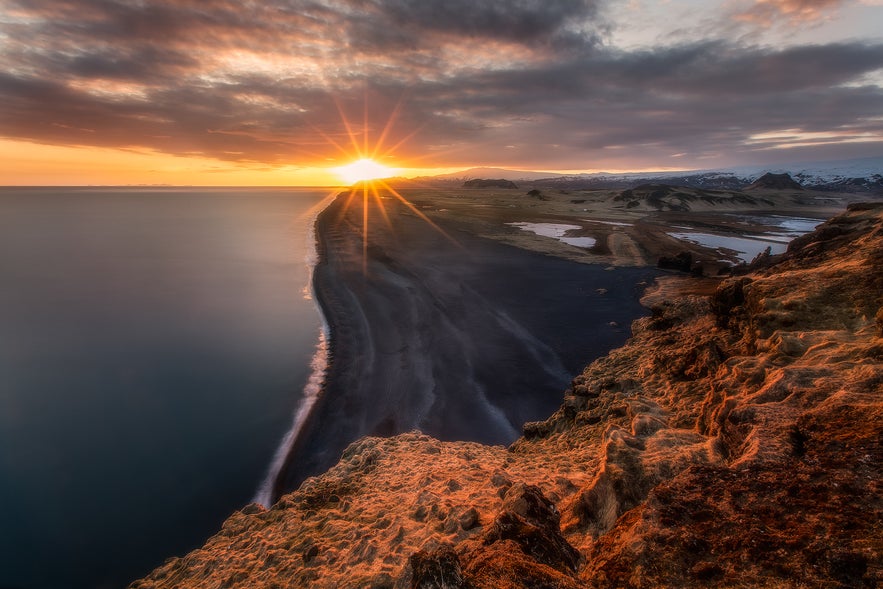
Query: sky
x=243 y=92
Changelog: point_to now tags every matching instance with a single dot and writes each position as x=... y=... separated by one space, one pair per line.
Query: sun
x=361 y=170
x=368 y=179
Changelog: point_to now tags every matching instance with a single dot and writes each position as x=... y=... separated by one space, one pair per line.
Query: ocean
x=155 y=346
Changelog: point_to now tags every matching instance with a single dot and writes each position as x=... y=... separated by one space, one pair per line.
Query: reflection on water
x=790 y=225
x=153 y=347
x=778 y=233
x=557 y=231
x=745 y=248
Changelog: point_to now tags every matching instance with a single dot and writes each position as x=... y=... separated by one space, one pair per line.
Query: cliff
x=735 y=441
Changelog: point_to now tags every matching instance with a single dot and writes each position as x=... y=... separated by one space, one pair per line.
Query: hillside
x=680 y=198
x=735 y=441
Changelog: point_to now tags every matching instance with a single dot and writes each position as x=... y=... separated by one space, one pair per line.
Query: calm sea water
x=154 y=345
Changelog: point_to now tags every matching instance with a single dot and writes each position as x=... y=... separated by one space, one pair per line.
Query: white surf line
x=312 y=389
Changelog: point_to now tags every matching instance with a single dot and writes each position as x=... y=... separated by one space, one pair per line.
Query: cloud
x=520 y=21
x=768 y=12
x=483 y=81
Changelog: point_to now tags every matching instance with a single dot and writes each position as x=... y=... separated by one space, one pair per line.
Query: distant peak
x=775 y=182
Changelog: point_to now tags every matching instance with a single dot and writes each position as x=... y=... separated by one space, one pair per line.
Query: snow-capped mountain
x=859 y=175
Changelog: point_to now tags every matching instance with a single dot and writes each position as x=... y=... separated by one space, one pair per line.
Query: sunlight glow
x=361 y=170
x=369 y=192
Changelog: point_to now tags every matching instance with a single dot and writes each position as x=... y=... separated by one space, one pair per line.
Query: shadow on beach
x=463 y=338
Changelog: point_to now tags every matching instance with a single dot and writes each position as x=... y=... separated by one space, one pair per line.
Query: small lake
x=779 y=232
x=557 y=231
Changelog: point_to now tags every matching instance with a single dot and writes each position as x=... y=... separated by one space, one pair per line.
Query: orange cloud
x=768 y=12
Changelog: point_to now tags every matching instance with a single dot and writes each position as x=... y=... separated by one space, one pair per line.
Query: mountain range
x=858 y=175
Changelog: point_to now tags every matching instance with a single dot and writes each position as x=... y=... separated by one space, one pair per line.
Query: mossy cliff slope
x=735 y=441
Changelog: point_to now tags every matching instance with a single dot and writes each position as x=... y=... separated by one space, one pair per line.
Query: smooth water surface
x=745 y=248
x=557 y=231
x=154 y=345
x=781 y=231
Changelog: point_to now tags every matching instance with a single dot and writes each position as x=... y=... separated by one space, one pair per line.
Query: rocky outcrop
x=682 y=262
x=438 y=569
x=489 y=183
x=735 y=441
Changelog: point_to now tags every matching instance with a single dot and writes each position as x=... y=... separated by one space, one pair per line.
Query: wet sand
x=459 y=336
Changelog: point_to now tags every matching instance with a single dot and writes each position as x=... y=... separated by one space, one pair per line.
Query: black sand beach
x=463 y=341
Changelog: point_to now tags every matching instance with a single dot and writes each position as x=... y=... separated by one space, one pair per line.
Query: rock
x=501 y=483
x=485 y=183
x=728 y=297
x=437 y=569
x=531 y=521
x=533 y=430
x=253 y=508
x=310 y=553
x=470 y=519
x=682 y=262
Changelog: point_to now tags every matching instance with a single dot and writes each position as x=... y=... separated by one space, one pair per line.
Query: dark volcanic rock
x=683 y=262
x=530 y=520
x=439 y=569
x=772 y=181
x=524 y=548
x=728 y=298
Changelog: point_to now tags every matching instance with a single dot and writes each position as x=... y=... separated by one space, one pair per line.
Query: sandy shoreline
x=464 y=342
